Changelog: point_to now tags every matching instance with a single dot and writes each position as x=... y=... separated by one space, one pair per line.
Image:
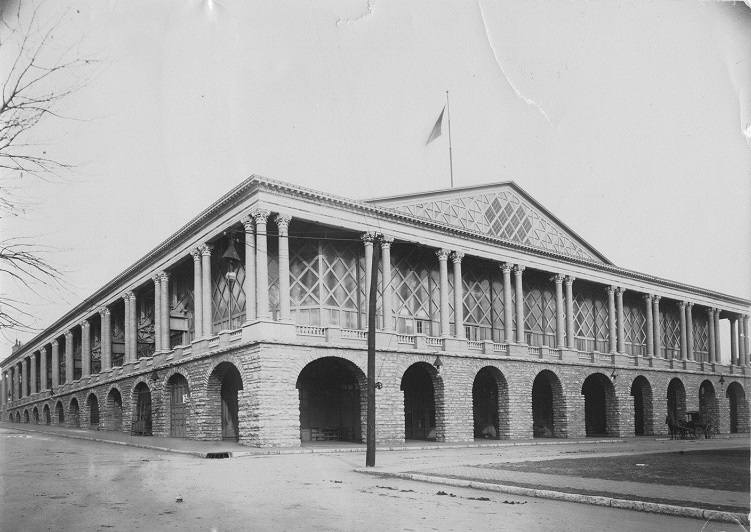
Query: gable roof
x=501 y=210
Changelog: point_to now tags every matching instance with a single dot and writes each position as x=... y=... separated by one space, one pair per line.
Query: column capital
x=127 y=296
x=558 y=278
x=610 y=290
x=196 y=253
x=104 y=311
x=68 y=334
x=54 y=343
x=570 y=280
x=620 y=290
x=518 y=269
x=710 y=311
x=84 y=324
x=506 y=267
x=457 y=256
x=367 y=238
x=689 y=304
x=248 y=222
x=282 y=221
x=647 y=297
x=443 y=254
x=386 y=241
x=164 y=276
x=206 y=250
x=656 y=298
x=260 y=215
x=682 y=305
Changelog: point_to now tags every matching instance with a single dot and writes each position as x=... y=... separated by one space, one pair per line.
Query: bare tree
x=37 y=75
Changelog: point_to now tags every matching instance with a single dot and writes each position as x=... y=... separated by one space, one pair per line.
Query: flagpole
x=451 y=160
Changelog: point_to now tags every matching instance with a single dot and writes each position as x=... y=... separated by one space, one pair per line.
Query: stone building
x=249 y=323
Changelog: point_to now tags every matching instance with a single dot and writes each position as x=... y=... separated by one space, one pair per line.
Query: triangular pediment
x=501 y=210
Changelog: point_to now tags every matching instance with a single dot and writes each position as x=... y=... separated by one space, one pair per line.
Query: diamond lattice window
x=504 y=214
x=701 y=338
x=413 y=286
x=634 y=329
x=591 y=322
x=670 y=327
x=539 y=314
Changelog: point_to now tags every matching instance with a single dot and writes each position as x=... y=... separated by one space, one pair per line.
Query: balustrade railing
x=309 y=330
x=500 y=348
x=434 y=341
x=355 y=334
x=405 y=339
x=473 y=344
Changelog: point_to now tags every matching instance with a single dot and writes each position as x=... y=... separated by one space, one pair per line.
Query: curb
x=639 y=506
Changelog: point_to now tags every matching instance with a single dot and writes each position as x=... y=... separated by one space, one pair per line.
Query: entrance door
x=142 y=422
x=178 y=395
x=230 y=386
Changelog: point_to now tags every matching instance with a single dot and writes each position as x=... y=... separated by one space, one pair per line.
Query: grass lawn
x=721 y=469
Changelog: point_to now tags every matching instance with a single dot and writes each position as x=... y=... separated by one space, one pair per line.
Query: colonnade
x=15 y=382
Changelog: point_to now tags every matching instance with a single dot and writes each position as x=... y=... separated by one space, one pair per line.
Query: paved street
x=50 y=482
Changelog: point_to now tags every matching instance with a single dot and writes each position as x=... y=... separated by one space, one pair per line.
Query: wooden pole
x=451 y=159
x=371 y=415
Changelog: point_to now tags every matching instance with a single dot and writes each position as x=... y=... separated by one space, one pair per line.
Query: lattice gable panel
x=503 y=214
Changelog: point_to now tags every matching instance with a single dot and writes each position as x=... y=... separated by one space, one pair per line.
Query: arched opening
x=18 y=417
x=490 y=404
x=224 y=384
x=35 y=414
x=74 y=413
x=738 y=408
x=141 y=425
x=419 y=403
x=46 y=415
x=641 y=391
x=599 y=405
x=11 y=418
x=709 y=410
x=677 y=400
x=93 y=405
x=548 y=406
x=114 y=412
x=25 y=416
x=59 y=413
x=177 y=390
x=331 y=405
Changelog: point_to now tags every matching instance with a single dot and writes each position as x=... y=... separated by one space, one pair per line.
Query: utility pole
x=371 y=415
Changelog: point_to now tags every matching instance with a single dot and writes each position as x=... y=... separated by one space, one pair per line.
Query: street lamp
x=233 y=259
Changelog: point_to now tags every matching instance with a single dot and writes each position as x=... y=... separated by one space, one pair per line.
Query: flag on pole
x=436 y=128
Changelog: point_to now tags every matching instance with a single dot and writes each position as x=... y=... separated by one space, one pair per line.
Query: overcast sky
x=626 y=120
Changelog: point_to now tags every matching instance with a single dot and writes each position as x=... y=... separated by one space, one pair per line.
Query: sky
x=629 y=121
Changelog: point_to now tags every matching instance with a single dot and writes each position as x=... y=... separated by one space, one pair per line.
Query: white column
x=734 y=340
x=388 y=292
x=282 y=222
x=197 y=297
x=717 y=337
x=560 y=321
x=649 y=325
x=25 y=377
x=208 y=319
x=689 y=332
x=249 y=286
x=33 y=373
x=56 y=364
x=712 y=332
x=570 y=334
x=126 y=323
x=621 y=319
x=682 y=312
x=367 y=240
x=85 y=350
x=3 y=395
x=43 y=369
x=457 y=257
x=133 y=327
x=519 y=304
x=508 y=305
x=69 y=364
x=611 y=319
x=106 y=335
x=443 y=255
x=745 y=333
x=164 y=296
x=157 y=313
x=656 y=327
x=262 y=264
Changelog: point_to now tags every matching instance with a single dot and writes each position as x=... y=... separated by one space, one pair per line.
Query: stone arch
x=641 y=391
x=709 y=407
x=18 y=417
x=549 y=416
x=26 y=417
x=424 y=416
x=60 y=413
x=222 y=420
x=46 y=414
x=74 y=413
x=92 y=405
x=739 y=414
x=600 y=406
x=175 y=397
x=113 y=410
x=490 y=405
x=11 y=418
x=333 y=400
x=676 y=398
x=140 y=398
x=35 y=415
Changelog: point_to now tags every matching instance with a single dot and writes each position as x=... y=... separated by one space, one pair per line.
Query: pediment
x=503 y=211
